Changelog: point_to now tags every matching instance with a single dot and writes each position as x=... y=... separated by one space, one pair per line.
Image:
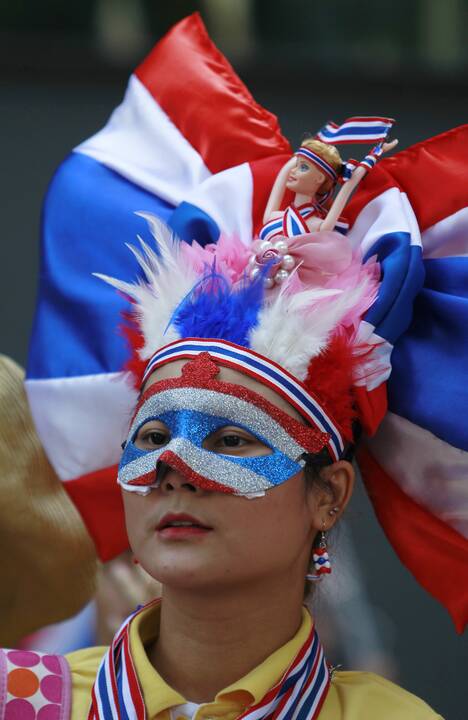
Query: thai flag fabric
x=190 y=144
x=356 y=130
x=412 y=211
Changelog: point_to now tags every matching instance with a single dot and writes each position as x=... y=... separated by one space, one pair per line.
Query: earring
x=321 y=559
x=333 y=511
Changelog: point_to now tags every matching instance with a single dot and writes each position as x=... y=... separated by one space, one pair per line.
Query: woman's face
x=185 y=536
x=305 y=178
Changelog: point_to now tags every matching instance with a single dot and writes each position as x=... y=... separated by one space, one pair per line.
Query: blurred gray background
x=64 y=67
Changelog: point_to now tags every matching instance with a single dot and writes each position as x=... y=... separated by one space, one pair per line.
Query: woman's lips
x=179 y=526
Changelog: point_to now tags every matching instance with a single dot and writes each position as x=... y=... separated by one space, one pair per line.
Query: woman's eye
x=156 y=438
x=232 y=441
x=151 y=438
x=303 y=167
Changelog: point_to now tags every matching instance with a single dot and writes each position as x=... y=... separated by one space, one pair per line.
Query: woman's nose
x=170 y=480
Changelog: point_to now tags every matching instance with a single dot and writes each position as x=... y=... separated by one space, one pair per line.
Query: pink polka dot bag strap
x=34 y=686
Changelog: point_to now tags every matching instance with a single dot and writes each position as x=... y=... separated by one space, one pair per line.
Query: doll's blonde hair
x=329 y=153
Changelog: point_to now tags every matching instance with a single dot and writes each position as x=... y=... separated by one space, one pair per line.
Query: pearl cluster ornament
x=276 y=253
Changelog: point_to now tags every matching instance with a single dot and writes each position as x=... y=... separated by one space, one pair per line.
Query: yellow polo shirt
x=352 y=695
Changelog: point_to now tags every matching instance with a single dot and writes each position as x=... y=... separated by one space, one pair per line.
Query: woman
x=233 y=471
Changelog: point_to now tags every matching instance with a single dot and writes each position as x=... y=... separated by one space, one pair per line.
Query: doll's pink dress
x=321 y=255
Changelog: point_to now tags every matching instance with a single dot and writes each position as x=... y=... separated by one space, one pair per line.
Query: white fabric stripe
x=388 y=212
x=241 y=351
x=110 y=695
x=448 y=237
x=233 y=218
x=170 y=169
x=127 y=696
x=217 y=468
x=82 y=420
x=429 y=470
x=213 y=403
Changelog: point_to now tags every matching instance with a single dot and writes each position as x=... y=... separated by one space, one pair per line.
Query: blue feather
x=215 y=309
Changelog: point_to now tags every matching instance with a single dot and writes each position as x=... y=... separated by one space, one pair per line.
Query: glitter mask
x=195 y=406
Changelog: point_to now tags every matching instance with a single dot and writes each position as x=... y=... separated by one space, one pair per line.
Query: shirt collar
x=249 y=690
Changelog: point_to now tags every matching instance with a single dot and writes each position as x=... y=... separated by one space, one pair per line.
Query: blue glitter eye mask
x=191 y=415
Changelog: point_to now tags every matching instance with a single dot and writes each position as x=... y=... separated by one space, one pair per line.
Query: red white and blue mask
x=195 y=406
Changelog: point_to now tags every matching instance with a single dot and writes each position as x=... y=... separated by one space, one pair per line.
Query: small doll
x=309 y=233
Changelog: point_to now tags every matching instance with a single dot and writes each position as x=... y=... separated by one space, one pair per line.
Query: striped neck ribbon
x=298 y=695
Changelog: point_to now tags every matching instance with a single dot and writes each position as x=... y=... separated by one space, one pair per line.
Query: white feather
x=295 y=328
x=166 y=283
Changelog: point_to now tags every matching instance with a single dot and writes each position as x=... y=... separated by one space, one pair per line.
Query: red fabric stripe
x=372 y=405
x=93 y=712
x=198 y=89
x=264 y=173
x=99 y=502
x=430 y=172
x=133 y=683
x=115 y=692
x=433 y=552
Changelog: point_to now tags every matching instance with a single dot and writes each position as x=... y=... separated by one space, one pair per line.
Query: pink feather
x=230 y=254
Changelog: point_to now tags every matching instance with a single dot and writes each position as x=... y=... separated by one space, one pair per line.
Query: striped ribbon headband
x=318 y=162
x=299 y=695
x=262 y=369
x=356 y=130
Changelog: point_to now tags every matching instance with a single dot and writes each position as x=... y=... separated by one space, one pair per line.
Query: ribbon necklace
x=298 y=695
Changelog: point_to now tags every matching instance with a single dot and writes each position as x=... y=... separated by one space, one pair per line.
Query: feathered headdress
x=303 y=341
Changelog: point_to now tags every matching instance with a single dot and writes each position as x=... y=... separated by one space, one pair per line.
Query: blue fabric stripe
x=102 y=687
x=189 y=222
x=312 y=694
x=270 y=227
x=402 y=272
x=88 y=216
x=280 y=380
x=429 y=381
x=122 y=708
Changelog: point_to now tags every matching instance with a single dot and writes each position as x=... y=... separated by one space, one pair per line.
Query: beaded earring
x=321 y=559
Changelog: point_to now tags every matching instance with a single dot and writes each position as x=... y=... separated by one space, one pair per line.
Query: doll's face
x=305 y=178
x=189 y=537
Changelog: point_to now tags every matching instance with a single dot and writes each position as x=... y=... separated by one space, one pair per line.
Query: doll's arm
x=348 y=188
x=278 y=189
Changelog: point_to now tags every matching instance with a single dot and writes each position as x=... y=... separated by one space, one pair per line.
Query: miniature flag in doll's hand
x=207 y=168
x=356 y=130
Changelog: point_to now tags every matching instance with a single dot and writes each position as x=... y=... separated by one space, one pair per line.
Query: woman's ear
x=333 y=494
